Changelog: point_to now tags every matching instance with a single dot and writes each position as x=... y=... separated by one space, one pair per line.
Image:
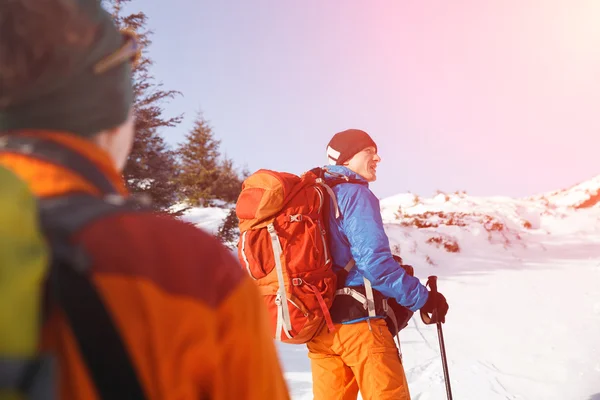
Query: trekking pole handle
x=432 y=283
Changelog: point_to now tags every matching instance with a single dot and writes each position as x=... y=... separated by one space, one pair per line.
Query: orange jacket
x=191 y=318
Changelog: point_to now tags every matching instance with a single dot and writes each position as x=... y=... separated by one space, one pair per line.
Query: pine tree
x=152 y=167
x=200 y=171
x=228 y=232
x=229 y=183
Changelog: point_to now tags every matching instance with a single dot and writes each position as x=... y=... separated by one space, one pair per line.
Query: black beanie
x=344 y=145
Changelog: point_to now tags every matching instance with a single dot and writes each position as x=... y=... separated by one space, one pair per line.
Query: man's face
x=364 y=163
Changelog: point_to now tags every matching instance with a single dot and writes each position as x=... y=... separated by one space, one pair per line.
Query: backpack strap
x=350 y=265
x=70 y=285
x=31 y=378
x=369 y=298
x=58 y=154
x=328 y=184
x=331 y=195
x=281 y=300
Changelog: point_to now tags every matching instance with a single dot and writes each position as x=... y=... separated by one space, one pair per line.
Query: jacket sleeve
x=363 y=226
x=249 y=360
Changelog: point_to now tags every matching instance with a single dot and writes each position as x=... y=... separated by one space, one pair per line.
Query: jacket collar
x=333 y=170
x=48 y=179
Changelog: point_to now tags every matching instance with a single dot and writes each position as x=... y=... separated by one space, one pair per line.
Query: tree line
x=193 y=174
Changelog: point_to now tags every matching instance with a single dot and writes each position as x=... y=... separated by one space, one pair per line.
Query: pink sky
x=493 y=97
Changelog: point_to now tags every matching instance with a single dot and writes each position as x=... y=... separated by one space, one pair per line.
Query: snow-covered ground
x=522 y=277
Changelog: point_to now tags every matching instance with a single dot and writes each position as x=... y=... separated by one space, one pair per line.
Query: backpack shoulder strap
x=334 y=180
x=66 y=215
x=100 y=344
x=55 y=153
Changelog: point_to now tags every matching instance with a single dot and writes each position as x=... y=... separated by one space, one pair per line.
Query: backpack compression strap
x=70 y=285
x=55 y=153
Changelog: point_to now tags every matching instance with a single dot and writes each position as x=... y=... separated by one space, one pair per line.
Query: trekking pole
x=427 y=320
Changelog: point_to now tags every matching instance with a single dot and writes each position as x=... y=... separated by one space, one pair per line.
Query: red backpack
x=284 y=247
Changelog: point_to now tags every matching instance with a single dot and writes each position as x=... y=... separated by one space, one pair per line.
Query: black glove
x=408 y=268
x=436 y=301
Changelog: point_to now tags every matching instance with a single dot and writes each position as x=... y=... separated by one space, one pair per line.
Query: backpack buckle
x=296 y=218
x=297 y=281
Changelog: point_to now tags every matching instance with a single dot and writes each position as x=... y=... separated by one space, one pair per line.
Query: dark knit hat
x=93 y=94
x=344 y=145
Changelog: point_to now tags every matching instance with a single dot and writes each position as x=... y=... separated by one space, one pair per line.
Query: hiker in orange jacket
x=191 y=321
x=361 y=354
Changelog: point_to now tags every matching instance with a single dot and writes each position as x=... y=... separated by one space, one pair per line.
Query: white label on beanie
x=333 y=155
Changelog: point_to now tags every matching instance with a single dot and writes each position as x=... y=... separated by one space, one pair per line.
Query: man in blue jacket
x=361 y=354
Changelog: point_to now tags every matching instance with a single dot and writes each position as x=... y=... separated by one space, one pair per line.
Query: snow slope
x=522 y=277
x=582 y=195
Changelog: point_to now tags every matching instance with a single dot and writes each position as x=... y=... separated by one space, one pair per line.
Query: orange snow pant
x=354 y=358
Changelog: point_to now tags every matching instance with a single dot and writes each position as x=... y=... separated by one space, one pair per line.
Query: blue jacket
x=358 y=233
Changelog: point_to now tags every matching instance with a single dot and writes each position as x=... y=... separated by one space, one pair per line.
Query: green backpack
x=40 y=268
x=24 y=257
